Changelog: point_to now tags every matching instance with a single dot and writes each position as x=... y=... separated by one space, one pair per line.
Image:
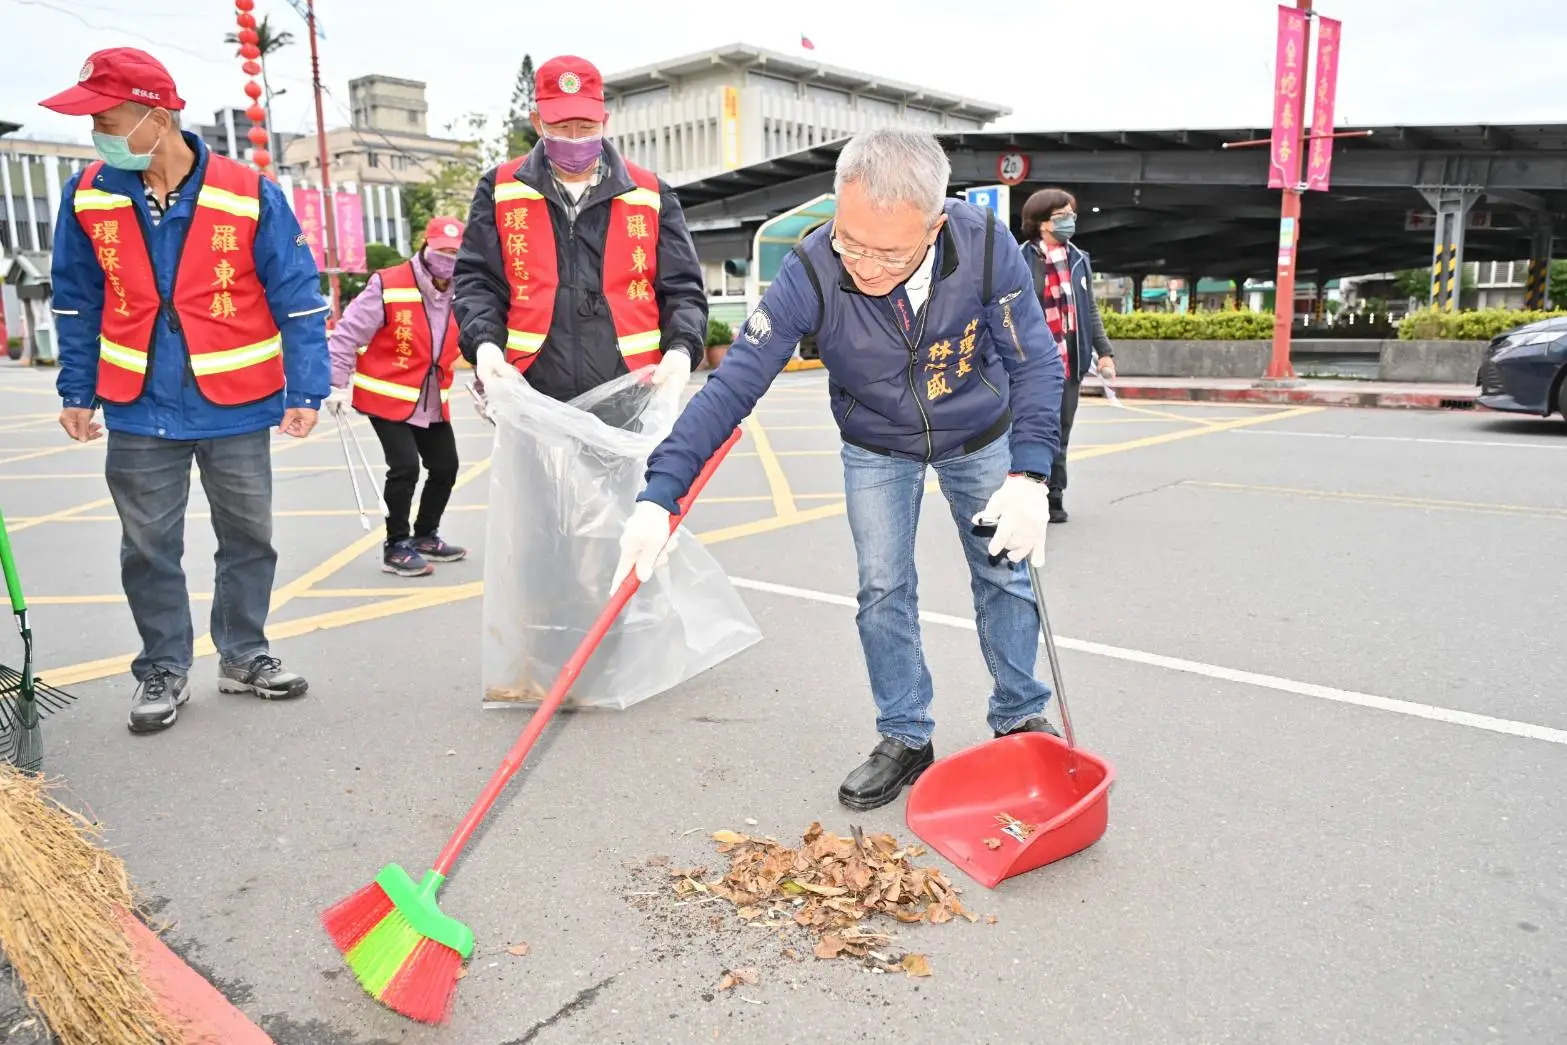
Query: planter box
x=1435 y=362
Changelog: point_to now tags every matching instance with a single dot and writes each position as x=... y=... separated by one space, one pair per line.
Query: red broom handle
x=564 y=681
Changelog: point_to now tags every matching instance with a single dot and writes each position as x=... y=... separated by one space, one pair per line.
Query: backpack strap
x=816 y=284
x=990 y=251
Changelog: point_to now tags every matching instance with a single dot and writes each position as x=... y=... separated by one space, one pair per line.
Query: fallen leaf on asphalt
x=728 y=837
x=992 y=843
x=521 y=950
x=462 y=972
x=735 y=977
x=916 y=964
x=658 y=861
x=990 y=919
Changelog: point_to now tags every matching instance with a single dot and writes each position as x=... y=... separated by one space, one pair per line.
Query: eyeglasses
x=881 y=261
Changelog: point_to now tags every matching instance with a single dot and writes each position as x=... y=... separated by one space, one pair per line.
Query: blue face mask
x=115 y=149
x=1063 y=229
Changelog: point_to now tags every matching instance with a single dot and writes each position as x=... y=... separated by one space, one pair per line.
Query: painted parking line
x=1559 y=444
x=1392 y=500
x=1431 y=712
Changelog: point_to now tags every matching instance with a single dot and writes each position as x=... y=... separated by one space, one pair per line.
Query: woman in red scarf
x=1065 y=285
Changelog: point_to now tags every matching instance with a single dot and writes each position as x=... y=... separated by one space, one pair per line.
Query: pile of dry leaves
x=828 y=886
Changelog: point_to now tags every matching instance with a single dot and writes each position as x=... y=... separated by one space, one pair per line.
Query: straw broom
x=60 y=898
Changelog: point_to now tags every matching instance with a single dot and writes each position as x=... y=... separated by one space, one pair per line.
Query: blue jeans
x=149 y=479
x=884 y=495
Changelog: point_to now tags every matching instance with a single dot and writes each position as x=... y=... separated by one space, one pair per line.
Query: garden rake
x=23 y=699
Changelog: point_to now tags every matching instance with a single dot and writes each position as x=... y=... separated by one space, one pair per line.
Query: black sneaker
x=157 y=701
x=1057 y=513
x=1037 y=724
x=879 y=778
x=262 y=676
x=436 y=550
x=400 y=558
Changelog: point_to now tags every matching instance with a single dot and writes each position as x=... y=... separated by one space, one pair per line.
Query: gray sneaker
x=263 y=676
x=157 y=701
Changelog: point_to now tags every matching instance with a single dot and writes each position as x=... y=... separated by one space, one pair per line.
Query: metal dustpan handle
x=1049 y=638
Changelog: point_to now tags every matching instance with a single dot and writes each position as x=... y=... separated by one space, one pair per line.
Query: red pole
x=1279 y=368
x=328 y=206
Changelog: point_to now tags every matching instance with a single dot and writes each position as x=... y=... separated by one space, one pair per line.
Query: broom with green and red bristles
x=404 y=951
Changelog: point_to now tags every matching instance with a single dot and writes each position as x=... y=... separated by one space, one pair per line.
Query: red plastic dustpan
x=1042 y=798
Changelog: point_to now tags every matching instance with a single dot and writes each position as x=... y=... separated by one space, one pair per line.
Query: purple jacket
x=365 y=315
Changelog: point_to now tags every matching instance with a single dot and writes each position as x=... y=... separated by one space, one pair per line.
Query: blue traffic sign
x=992 y=197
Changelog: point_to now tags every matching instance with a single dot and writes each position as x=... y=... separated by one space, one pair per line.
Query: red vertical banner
x=350 y=231
x=1320 y=164
x=307 y=209
x=1289 y=99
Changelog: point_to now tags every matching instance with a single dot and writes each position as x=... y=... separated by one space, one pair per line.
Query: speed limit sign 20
x=1012 y=168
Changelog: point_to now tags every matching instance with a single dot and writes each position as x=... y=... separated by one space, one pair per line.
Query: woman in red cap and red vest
x=392 y=357
x=577 y=266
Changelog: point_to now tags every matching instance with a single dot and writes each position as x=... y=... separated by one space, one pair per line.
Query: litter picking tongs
x=1047 y=634
x=344 y=432
x=1104 y=383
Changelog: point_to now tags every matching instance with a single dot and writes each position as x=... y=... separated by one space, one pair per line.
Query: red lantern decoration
x=250 y=51
x=252 y=68
x=256 y=114
x=253 y=89
x=248 y=36
x=246 y=21
x=245 y=5
x=261 y=158
x=258 y=136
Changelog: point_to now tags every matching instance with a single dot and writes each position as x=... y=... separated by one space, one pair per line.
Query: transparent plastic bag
x=563 y=480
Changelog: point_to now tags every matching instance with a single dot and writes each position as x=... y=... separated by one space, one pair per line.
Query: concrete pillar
x=1238 y=297
x=1537 y=285
x=1452 y=205
x=1137 y=293
x=1191 y=292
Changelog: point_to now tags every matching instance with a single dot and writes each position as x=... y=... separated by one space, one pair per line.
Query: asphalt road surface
x=1321 y=648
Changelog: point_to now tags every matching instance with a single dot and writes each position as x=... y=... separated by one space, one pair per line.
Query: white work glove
x=492 y=367
x=645 y=543
x=339 y=400
x=1020 y=511
x=673 y=371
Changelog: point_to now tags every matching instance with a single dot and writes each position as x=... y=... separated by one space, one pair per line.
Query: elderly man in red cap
x=189 y=308
x=392 y=357
x=577 y=266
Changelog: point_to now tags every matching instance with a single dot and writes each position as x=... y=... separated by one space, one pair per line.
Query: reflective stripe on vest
x=391 y=371
x=218 y=305
x=527 y=240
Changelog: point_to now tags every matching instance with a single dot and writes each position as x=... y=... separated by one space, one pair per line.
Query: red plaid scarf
x=1060 y=310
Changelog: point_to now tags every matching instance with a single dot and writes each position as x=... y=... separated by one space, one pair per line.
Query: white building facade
x=692 y=117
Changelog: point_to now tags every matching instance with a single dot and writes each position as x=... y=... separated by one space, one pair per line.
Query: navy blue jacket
x=969 y=368
x=170 y=407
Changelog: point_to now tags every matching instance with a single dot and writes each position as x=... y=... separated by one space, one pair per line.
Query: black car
x=1525 y=370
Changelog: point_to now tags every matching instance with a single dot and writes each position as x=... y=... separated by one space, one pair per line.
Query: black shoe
x=157 y=701
x=879 y=778
x=262 y=676
x=1037 y=724
x=1057 y=513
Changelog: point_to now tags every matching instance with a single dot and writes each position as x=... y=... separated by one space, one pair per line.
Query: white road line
x=1527 y=730
x=1559 y=445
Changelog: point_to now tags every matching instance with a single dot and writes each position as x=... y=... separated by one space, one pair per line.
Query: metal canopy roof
x=1174 y=201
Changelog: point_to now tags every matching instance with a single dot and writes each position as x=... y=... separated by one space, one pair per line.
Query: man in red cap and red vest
x=392 y=356
x=189 y=308
x=577 y=266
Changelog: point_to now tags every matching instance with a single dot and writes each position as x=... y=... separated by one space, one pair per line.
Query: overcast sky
x=1059 y=64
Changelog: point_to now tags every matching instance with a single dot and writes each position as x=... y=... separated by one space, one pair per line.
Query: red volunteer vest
x=527 y=235
x=390 y=374
x=235 y=353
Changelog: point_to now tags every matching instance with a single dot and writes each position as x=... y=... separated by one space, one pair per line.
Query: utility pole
x=328 y=203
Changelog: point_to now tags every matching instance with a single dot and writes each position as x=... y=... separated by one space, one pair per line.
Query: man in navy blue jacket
x=937 y=356
x=190 y=309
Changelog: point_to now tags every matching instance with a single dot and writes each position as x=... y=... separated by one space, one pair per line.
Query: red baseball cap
x=115 y=75
x=443 y=234
x=569 y=88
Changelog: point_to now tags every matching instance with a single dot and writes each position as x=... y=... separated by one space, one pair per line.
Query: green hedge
x=1432 y=324
x=1190 y=326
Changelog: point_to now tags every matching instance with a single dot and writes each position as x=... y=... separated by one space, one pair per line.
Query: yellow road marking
x=777 y=482
x=1089 y=452
x=1479 y=507
x=64 y=515
x=51 y=451
x=29 y=391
